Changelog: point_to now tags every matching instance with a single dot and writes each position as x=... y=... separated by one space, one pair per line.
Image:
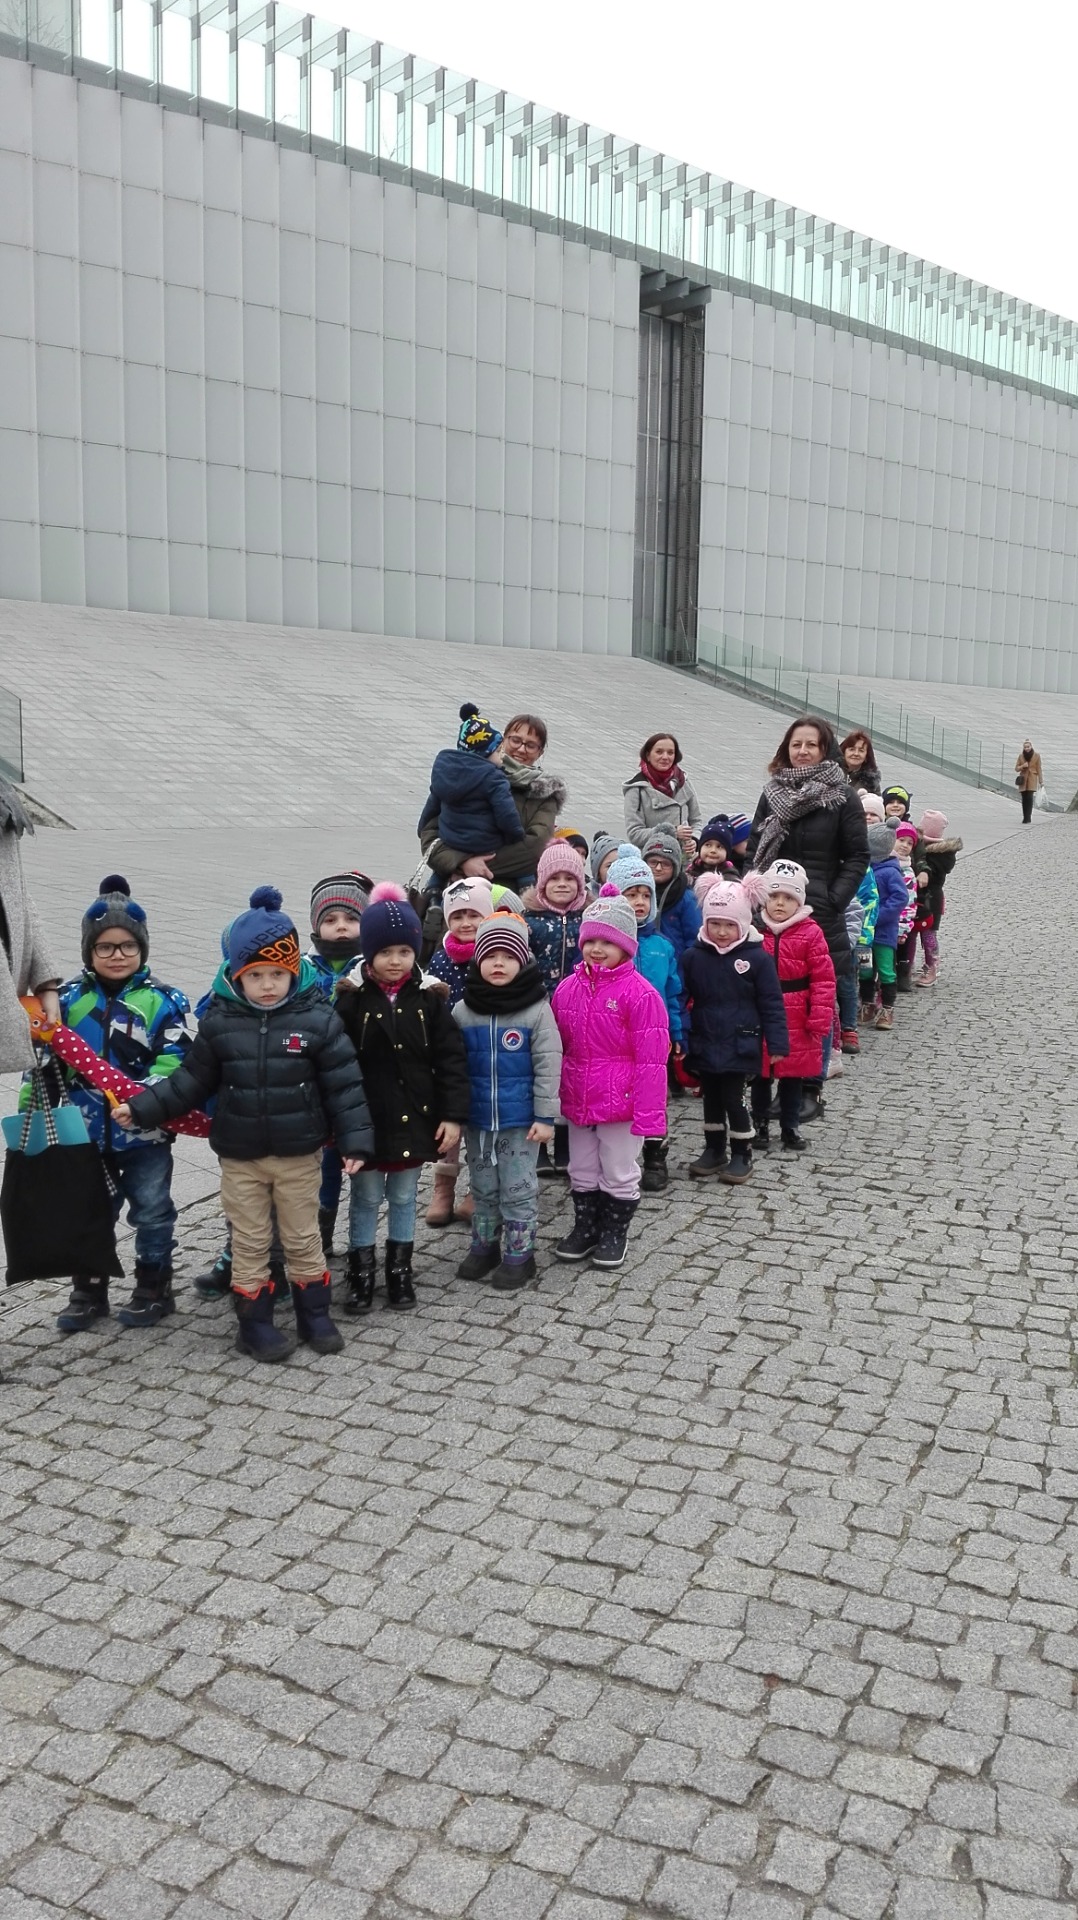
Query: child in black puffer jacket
x=286 y=1079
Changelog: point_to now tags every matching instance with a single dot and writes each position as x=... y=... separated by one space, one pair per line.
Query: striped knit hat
x=351 y=892
x=503 y=933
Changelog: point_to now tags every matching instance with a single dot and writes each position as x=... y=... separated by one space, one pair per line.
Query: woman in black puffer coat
x=808 y=812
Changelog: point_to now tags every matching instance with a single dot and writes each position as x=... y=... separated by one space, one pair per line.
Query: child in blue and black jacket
x=657 y=961
x=893 y=898
x=678 y=910
x=138 y=1024
x=554 y=909
x=470 y=797
x=337 y=905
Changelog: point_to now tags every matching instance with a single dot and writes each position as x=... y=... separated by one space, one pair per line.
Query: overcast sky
x=941 y=126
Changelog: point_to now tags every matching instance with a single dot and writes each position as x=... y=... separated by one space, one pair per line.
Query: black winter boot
x=763 y=1133
x=152 y=1299
x=327 y=1220
x=359 y=1275
x=400 y=1291
x=215 y=1284
x=613 y=1231
x=256 y=1335
x=793 y=1141
x=713 y=1158
x=583 y=1237
x=812 y=1102
x=654 y=1176
x=313 y=1323
x=89 y=1302
x=740 y=1167
x=480 y=1260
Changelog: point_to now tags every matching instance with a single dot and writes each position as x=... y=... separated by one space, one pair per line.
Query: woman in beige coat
x=1028 y=777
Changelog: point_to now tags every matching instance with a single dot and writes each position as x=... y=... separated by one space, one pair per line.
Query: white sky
x=944 y=127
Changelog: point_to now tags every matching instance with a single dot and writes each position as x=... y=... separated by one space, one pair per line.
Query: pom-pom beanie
x=467 y=896
x=389 y=921
x=873 y=806
x=881 y=841
x=349 y=891
x=114 y=908
x=264 y=936
x=475 y=734
x=630 y=869
x=721 y=828
x=610 y=917
x=503 y=933
x=560 y=857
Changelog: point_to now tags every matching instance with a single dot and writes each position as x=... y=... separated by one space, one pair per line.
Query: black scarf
x=339 y=949
x=675 y=889
x=480 y=997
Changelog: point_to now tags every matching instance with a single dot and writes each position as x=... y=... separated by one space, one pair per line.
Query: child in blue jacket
x=554 y=909
x=470 y=797
x=893 y=897
x=677 y=908
x=657 y=961
x=138 y=1024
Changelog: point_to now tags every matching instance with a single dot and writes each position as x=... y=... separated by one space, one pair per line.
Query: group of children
x=545 y=1034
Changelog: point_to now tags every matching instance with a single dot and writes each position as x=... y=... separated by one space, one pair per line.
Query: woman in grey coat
x=29 y=967
x=659 y=795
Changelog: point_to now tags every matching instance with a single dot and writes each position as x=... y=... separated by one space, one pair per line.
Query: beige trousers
x=250 y=1189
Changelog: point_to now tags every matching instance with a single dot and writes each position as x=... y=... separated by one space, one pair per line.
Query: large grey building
x=298 y=329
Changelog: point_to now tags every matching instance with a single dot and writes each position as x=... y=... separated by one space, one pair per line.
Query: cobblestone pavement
x=740 y=1583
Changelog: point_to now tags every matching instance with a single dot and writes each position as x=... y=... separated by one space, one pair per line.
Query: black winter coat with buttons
x=285 y=1078
x=413 y=1064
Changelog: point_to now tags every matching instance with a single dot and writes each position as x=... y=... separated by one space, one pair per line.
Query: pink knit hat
x=560 y=857
x=727 y=900
x=933 y=824
x=786 y=876
x=905 y=830
x=610 y=917
x=873 y=806
x=470 y=895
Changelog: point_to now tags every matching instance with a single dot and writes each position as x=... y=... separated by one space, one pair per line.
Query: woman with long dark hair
x=660 y=795
x=809 y=812
x=859 y=761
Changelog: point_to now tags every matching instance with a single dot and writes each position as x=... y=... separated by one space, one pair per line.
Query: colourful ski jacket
x=141 y=1027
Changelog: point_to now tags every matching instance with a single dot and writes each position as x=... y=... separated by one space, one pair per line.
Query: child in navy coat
x=735 y=1006
x=470 y=796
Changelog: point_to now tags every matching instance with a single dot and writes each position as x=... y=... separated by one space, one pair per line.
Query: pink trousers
x=606 y=1158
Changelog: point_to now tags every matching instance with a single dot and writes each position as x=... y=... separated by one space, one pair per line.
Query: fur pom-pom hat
x=114 y=909
x=389 y=921
x=264 y=936
x=610 y=917
x=476 y=735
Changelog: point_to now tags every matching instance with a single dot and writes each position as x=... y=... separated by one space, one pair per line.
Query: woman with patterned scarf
x=807 y=812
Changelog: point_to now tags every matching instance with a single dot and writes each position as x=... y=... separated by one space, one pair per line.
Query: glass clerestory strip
x=303 y=77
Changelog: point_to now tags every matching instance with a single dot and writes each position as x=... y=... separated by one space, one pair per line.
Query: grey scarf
x=517 y=775
x=790 y=794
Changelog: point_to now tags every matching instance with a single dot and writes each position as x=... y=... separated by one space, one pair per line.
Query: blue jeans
x=848 y=1000
x=329 y=1193
x=144 y=1177
x=505 y=1189
x=368 y=1190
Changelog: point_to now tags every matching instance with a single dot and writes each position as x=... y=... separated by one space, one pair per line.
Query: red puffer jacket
x=807 y=978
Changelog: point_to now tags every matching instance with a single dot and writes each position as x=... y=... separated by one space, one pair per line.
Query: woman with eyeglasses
x=28 y=965
x=538 y=797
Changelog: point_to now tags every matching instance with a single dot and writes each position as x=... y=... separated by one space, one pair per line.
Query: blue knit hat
x=741 y=827
x=263 y=936
x=630 y=869
x=389 y=922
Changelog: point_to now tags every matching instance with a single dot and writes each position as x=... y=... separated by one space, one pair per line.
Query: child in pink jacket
x=615 y=1038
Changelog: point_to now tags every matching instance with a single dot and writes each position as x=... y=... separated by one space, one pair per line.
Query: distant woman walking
x=1028 y=777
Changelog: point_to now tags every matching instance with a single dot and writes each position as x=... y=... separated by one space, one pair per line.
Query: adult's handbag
x=56 y=1210
x=1019 y=779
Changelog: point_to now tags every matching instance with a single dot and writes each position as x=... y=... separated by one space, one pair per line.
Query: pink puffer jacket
x=616 y=1039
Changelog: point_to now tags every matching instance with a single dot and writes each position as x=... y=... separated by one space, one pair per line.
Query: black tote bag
x=56 y=1204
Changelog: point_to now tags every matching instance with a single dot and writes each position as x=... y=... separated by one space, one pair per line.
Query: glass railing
x=10 y=735
x=306 y=81
x=758 y=675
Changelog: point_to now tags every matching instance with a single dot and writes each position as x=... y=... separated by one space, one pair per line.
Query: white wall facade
x=240 y=382
x=866 y=511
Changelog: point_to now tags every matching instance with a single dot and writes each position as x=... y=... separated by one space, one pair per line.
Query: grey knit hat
x=661 y=841
x=881 y=840
x=114 y=908
x=602 y=844
x=610 y=917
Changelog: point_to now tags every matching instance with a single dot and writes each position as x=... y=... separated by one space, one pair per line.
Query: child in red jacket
x=807 y=978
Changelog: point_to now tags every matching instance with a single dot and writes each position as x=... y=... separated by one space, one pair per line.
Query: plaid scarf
x=790 y=794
